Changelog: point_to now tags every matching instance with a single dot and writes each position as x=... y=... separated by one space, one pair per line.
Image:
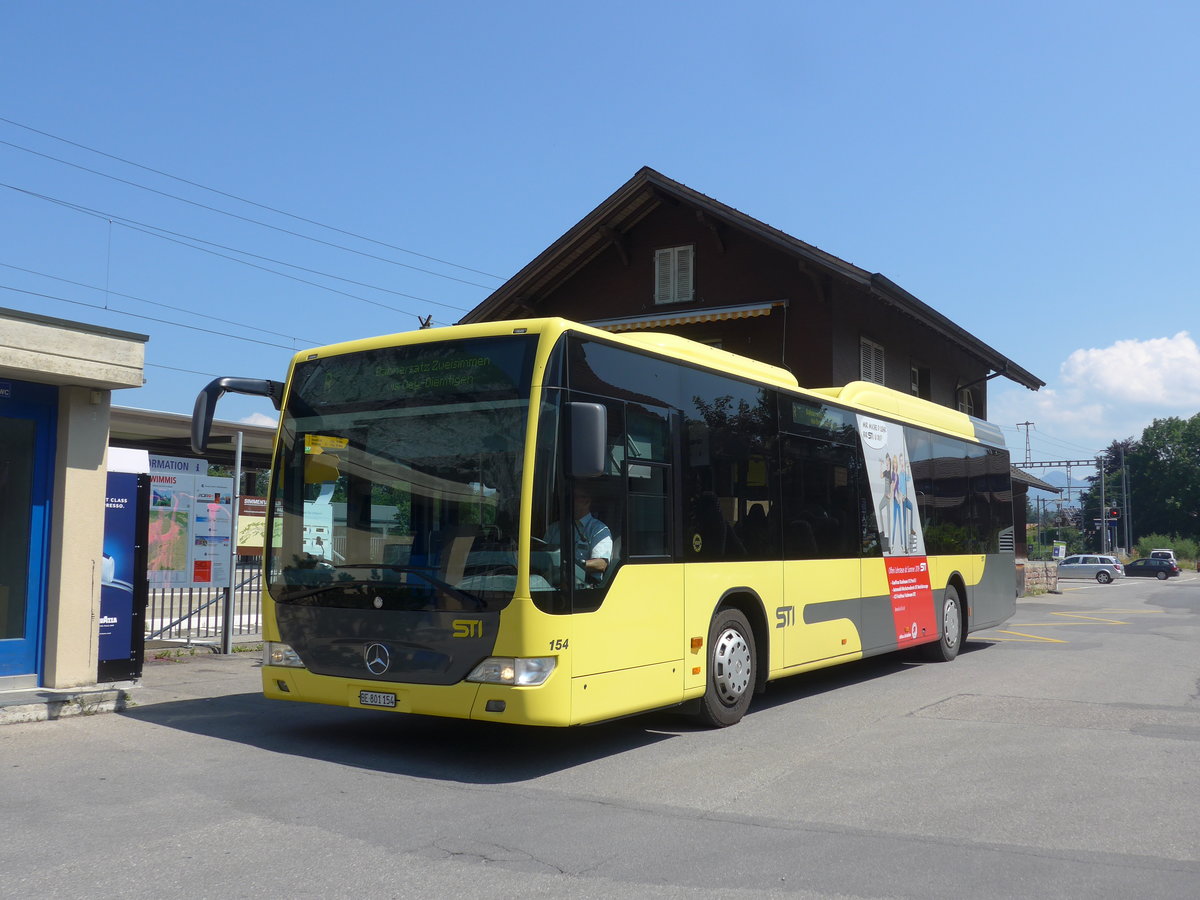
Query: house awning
x=689 y=317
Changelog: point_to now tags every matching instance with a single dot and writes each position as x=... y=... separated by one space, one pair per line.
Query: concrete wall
x=76 y=538
x=86 y=363
x=56 y=351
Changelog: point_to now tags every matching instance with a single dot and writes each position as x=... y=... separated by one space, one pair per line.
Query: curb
x=42 y=705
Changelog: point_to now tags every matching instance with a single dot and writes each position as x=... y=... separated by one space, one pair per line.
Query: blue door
x=27 y=417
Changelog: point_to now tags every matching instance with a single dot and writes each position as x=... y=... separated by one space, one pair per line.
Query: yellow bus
x=538 y=522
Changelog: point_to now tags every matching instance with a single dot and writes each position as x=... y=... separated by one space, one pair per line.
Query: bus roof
x=857 y=395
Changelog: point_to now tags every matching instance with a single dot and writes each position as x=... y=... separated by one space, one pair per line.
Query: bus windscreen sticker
x=889 y=474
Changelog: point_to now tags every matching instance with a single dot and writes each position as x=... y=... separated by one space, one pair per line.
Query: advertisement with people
x=191 y=524
x=893 y=495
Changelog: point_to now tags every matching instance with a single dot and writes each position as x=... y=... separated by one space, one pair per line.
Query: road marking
x=1087 y=619
x=1026 y=638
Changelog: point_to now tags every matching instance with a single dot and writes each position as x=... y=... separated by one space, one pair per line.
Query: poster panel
x=123 y=577
x=118 y=576
x=212 y=530
x=191 y=524
x=251 y=525
x=889 y=474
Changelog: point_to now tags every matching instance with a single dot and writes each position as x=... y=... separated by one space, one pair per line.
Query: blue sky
x=1028 y=169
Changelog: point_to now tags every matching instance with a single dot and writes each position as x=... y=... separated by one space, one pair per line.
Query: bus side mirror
x=589 y=428
x=206 y=403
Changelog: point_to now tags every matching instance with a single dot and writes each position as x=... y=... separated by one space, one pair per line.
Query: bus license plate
x=375 y=698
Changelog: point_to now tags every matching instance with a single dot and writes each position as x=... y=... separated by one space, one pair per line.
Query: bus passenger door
x=821 y=549
x=628 y=620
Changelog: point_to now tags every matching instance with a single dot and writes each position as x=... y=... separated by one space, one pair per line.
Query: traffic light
x=1113 y=514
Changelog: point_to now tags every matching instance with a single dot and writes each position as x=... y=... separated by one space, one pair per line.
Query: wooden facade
x=659 y=255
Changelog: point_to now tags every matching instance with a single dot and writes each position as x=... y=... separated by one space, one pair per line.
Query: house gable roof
x=606 y=225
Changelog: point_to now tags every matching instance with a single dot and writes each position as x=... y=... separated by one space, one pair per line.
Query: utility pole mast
x=1128 y=514
x=1103 y=508
x=1026 y=426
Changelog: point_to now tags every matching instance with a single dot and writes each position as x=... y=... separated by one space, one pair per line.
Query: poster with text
x=212 y=530
x=191 y=524
x=889 y=474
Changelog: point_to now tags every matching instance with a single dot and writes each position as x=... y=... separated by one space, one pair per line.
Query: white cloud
x=259 y=419
x=1160 y=371
x=1105 y=394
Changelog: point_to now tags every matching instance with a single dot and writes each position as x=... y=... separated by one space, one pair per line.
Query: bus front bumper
x=547 y=704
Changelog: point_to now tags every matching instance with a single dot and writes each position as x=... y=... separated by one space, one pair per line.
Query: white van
x=1164 y=554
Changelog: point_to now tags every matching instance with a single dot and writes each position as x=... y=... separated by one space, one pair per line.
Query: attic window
x=920 y=382
x=871 y=361
x=673 y=274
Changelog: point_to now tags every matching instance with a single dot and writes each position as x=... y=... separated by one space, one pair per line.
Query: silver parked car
x=1103 y=568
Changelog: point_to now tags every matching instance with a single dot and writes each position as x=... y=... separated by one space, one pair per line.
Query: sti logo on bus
x=467 y=628
x=785 y=616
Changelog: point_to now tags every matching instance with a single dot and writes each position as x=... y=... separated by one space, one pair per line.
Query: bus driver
x=593 y=541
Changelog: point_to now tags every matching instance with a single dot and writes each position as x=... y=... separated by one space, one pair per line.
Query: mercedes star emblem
x=377 y=658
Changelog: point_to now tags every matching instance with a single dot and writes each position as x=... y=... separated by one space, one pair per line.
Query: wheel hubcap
x=732 y=666
x=951 y=623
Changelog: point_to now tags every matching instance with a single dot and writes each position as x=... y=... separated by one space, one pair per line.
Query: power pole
x=1103 y=508
x=1125 y=503
x=1026 y=426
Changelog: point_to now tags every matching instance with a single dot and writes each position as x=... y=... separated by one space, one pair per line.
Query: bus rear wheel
x=732 y=670
x=947 y=646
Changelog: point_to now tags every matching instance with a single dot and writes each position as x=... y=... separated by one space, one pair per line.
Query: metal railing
x=189 y=614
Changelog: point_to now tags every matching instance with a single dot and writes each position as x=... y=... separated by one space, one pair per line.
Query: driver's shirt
x=593 y=540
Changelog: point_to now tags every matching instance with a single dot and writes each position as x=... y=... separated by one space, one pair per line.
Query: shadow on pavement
x=463 y=751
x=444 y=749
x=822 y=681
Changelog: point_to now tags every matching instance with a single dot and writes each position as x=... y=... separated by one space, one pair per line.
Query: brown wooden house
x=660 y=255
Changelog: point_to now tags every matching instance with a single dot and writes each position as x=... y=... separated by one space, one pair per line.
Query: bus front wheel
x=946 y=648
x=731 y=670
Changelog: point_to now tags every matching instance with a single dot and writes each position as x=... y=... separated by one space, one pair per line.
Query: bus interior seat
x=799 y=542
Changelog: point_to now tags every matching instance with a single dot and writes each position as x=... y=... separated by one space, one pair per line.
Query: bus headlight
x=526 y=672
x=277 y=654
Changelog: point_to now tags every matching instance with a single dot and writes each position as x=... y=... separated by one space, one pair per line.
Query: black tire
x=950 y=625
x=1161 y=576
x=732 y=670
x=1103 y=577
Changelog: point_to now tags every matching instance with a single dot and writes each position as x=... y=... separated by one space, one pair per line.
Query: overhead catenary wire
x=119 y=312
x=182 y=239
x=185 y=310
x=247 y=219
x=230 y=196
x=1046 y=438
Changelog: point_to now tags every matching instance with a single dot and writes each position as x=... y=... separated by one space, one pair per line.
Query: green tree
x=1164 y=478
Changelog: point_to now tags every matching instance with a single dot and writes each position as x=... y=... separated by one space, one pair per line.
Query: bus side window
x=820 y=503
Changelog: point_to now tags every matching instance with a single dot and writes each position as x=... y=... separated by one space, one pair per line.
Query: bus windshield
x=397 y=484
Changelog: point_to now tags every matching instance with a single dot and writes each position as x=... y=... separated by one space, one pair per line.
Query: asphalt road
x=1058 y=756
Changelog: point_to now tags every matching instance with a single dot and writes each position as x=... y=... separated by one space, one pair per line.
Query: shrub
x=1185 y=548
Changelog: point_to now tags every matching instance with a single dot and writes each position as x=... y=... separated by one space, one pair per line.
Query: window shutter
x=871 y=361
x=662 y=276
x=673 y=271
x=683 y=273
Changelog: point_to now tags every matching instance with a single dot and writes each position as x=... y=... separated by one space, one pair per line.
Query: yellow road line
x=1026 y=638
x=1087 y=619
